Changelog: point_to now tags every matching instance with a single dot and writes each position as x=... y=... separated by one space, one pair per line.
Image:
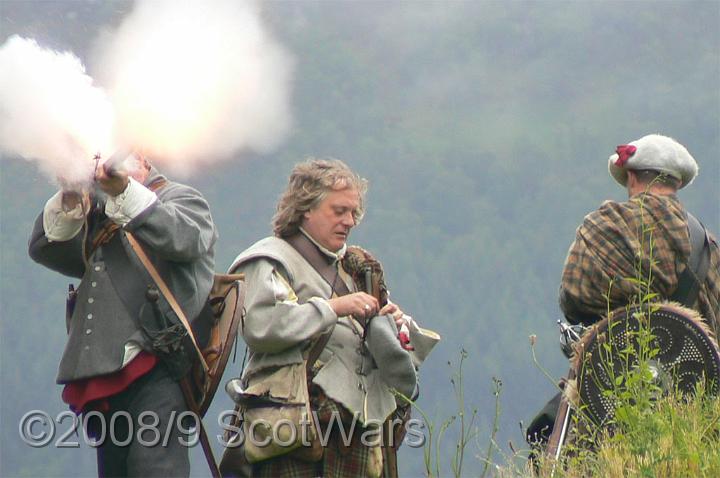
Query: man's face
x=138 y=168
x=330 y=222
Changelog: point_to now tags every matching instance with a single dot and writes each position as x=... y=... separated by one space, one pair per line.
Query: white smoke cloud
x=50 y=111
x=194 y=82
x=188 y=82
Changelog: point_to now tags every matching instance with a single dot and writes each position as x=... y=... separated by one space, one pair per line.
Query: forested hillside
x=484 y=129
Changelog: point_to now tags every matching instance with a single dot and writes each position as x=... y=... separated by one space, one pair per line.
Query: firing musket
x=116 y=162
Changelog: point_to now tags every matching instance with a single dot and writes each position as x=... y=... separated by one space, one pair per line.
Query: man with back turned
x=603 y=259
x=650 y=235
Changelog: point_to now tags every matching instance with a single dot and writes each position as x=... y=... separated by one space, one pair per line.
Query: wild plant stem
x=495 y=426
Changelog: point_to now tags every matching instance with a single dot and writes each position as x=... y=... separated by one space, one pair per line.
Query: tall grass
x=674 y=438
x=463 y=423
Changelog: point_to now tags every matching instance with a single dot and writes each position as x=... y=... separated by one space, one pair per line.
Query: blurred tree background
x=484 y=129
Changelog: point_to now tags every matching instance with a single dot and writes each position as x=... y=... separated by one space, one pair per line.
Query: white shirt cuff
x=60 y=225
x=126 y=206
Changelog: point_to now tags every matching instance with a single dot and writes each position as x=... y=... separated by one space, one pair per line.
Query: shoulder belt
x=693 y=276
x=330 y=273
x=108 y=228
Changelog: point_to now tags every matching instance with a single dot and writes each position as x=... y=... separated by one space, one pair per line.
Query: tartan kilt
x=339 y=460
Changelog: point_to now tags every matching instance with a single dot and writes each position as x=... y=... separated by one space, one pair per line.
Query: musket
x=115 y=162
x=561 y=425
x=569 y=335
x=368 y=281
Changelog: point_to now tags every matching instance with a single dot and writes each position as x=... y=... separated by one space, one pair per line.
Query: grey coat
x=177 y=233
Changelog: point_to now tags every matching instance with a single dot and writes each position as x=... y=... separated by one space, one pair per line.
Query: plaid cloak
x=644 y=238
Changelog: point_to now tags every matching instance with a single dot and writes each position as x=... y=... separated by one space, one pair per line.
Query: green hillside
x=484 y=130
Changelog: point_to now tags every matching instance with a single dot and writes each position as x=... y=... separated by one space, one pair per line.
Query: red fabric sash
x=92 y=393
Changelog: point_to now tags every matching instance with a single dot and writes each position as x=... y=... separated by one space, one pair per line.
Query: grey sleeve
x=394 y=363
x=64 y=257
x=275 y=320
x=178 y=226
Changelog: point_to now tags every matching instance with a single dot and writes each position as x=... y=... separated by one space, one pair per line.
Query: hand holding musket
x=367 y=272
x=71 y=199
x=360 y=305
x=111 y=177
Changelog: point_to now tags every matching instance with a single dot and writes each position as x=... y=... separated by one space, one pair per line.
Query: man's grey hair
x=649 y=177
x=310 y=182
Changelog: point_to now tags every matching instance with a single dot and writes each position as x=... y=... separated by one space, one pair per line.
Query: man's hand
x=401 y=322
x=397 y=314
x=360 y=305
x=114 y=183
x=71 y=199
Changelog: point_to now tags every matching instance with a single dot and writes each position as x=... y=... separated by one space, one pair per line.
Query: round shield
x=684 y=353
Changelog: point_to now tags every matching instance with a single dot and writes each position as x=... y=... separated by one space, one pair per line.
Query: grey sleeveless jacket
x=286 y=310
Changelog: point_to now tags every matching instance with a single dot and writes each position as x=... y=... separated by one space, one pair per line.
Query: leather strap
x=319 y=261
x=165 y=291
x=328 y=271
x=103 y=236
x=184 y=384
x=129 y=287
x=693 y=276
x=108 y=228
x=202 y=433
x=315 y=352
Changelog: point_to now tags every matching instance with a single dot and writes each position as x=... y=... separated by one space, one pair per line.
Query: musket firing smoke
x=188 y=83
x=50 y=111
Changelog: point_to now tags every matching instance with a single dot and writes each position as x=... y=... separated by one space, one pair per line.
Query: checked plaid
x=646 y=235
